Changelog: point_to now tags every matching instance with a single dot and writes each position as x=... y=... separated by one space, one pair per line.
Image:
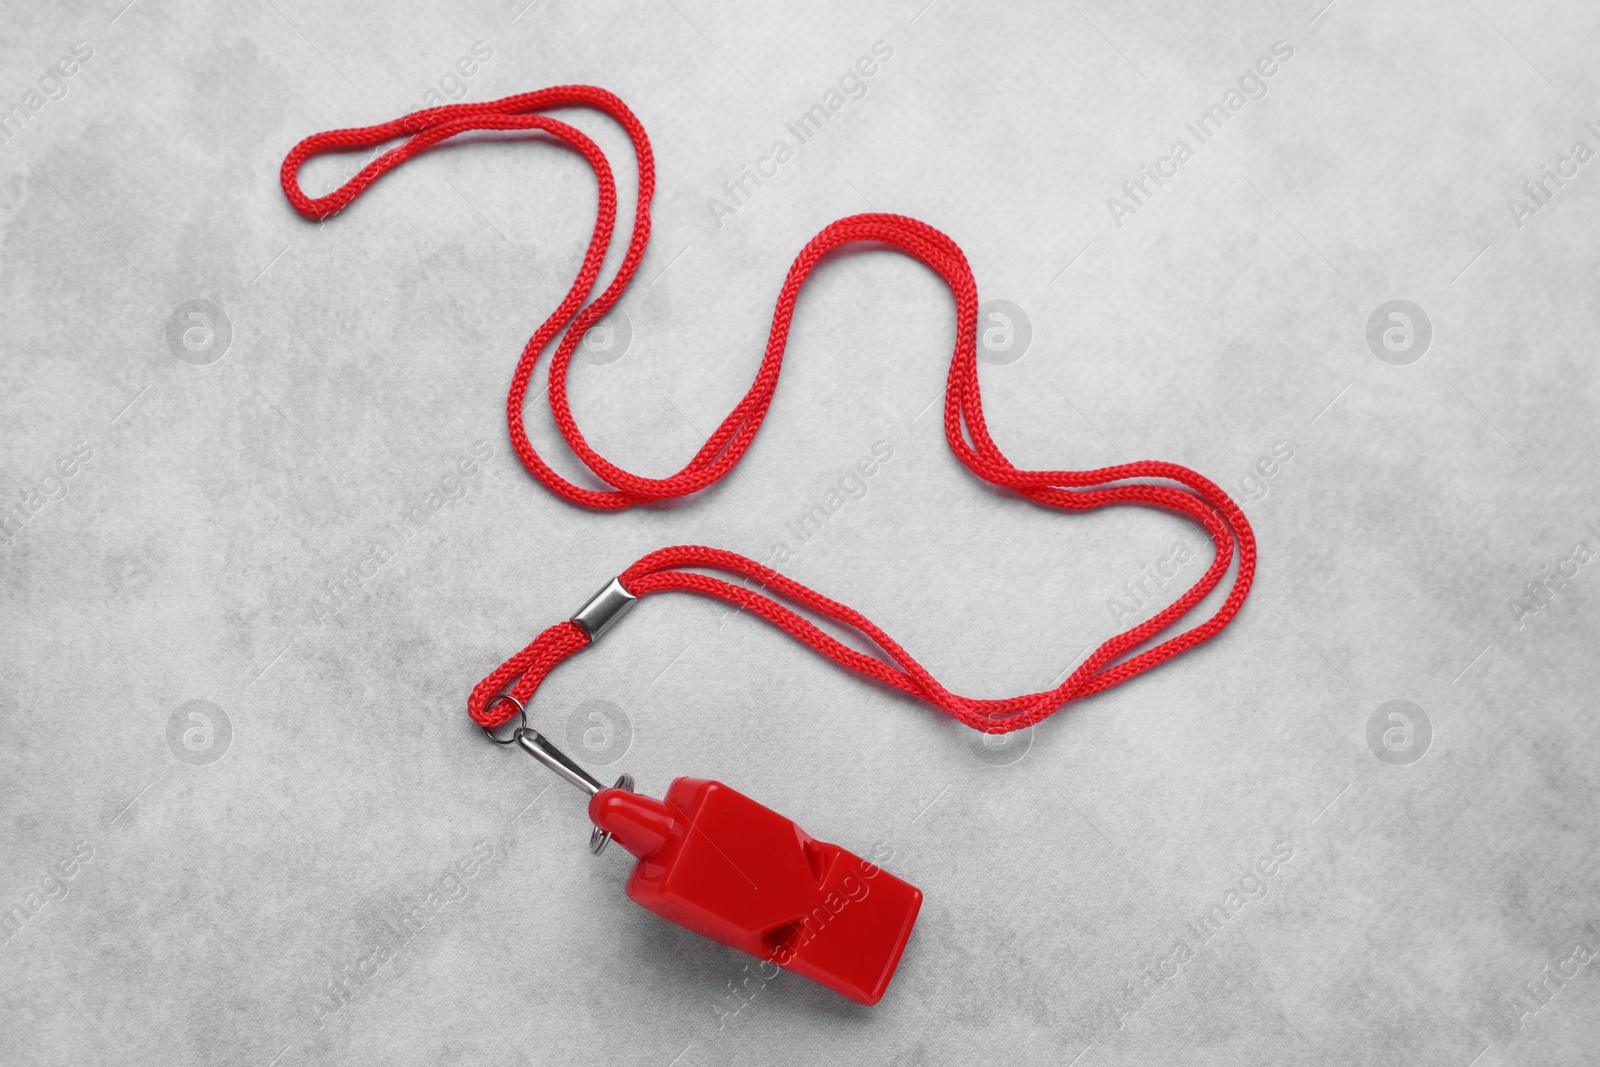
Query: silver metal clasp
x=539 y=747
x=603 y=609
x=542 y=749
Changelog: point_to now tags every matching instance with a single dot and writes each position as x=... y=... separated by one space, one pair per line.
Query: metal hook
x=540 y=748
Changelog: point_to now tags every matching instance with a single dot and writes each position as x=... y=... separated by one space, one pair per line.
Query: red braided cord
x=662 y=571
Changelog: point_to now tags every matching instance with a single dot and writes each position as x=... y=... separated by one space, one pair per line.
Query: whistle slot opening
x=781 y=938
x=816 y=859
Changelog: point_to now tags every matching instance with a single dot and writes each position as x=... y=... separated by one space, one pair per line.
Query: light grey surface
x=222 y=900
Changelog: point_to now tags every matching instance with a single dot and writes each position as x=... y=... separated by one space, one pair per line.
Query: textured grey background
x=207 y=890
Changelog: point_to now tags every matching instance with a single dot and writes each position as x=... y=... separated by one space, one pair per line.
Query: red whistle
x=716 y=862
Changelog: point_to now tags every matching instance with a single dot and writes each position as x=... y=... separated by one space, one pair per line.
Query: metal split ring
x=598 y=838
x=523 y=711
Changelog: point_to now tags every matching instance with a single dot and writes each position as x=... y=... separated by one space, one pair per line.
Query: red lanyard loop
x=666 y=570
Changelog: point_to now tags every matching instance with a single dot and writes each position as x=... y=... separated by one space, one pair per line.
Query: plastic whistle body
x=718 y=863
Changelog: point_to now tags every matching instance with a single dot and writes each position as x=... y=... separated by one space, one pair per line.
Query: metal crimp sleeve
x=603 y=609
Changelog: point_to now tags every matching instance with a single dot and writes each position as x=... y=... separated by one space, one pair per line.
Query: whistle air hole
x=779 y=938
x=816 y=860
